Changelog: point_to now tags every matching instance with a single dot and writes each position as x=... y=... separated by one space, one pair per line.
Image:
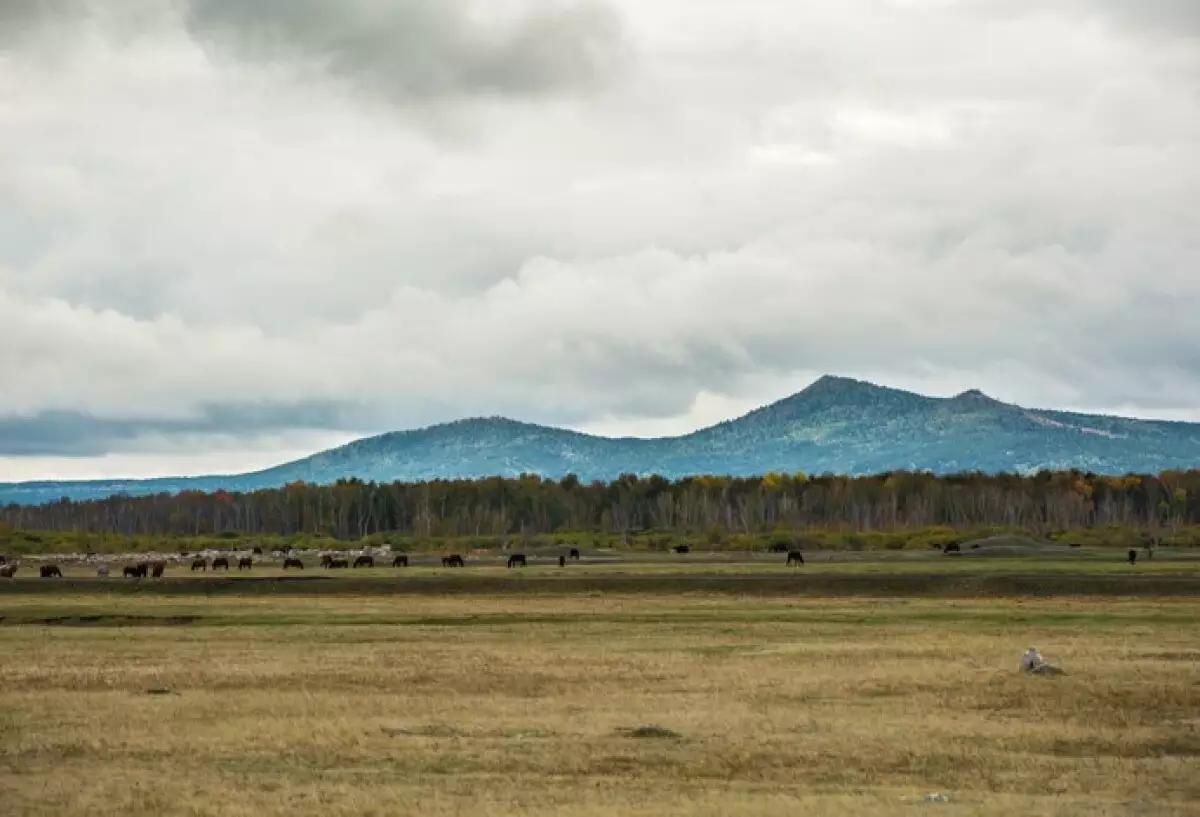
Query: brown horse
x=293 y=563
x=50 y=571
x=199 y=564
x=220 y=561
x=245 y=563
x=364 y=561
x=400 y=561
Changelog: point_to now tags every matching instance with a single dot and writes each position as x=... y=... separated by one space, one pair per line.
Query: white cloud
x=733 y=198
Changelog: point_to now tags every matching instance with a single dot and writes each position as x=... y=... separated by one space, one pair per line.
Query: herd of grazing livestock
x=215 y=561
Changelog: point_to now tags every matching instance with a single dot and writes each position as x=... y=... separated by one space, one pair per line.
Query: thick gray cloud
x=220 y=205
x=422 y=48
x=75 y=434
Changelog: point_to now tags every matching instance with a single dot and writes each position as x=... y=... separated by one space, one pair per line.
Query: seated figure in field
x=1033 y=662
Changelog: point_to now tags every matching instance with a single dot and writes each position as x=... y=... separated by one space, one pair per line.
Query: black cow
x=779 y=547
x=138 y=571
x=516 y=560
x=453 y=560
x=256 y=552
x=50 y=571
x=245 y=563
x=795 y=557
x=199 y=564
x=952 y=548
x=335 y=564
x=562 y=561
x=1132 y=556
x=220 y=561
x=574 y=554
x=400 y=561
x=364 y=561
x=157 y=569
x=293 y=563
x=682 y=549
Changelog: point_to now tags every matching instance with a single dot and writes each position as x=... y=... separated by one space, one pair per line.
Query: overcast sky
x=233 y=232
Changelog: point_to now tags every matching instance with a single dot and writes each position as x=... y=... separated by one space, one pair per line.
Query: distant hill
x=835 y=425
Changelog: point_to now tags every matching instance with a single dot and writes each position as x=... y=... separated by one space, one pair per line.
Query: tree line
x=530 y=505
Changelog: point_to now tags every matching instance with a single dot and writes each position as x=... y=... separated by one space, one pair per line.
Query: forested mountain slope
x=835 y=425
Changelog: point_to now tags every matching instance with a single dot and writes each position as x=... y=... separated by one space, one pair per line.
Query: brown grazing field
x=524 y=704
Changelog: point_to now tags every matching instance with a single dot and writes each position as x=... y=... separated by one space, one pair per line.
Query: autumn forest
x=883 y=510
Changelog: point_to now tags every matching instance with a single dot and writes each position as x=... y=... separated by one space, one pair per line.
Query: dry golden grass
x=501 y=705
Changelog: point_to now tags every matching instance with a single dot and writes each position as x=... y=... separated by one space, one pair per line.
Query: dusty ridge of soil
x=104 y=621
x=931 y=584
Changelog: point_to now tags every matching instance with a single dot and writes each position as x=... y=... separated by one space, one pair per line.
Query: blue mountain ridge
x=836 y=425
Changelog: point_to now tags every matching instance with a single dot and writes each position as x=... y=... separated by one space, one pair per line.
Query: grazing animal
x=245 y=563
x=1074 y=545
x=157 y=568
x=293 y=563
x=779 y=547
x=220 y=561
x=562 y=561
x=795 y=557
x=199 y=564
x=400 y=561
x=102 y=571
x=1132 y=556
x=453 y=560
x=338 y=563
x=682 y=549
x=952 y=548
x=50 y=571
x=257 y=551
x=364 y=561
x=326 y=560
x=574 y=554
x=8 y=571
x=516 y=560
x=138 y=571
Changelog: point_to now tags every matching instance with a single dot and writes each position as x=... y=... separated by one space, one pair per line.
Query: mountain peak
x=831 y=384
x=975 y=397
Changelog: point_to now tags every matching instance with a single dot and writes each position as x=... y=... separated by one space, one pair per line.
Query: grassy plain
x=518 y=704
